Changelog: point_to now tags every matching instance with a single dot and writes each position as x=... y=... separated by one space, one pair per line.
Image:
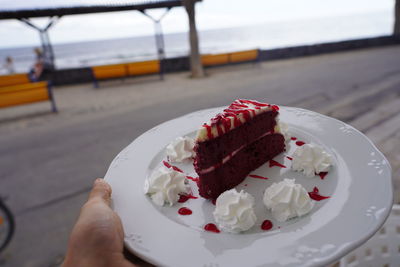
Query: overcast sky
x=211 y=14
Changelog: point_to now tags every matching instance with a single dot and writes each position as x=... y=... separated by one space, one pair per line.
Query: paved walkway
x=49 y=161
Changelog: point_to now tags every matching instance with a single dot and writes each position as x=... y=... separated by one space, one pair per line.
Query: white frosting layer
x=282 y=128
x=165 y=185
x=180 y=149
x=234 y=211
x=287 y=200
x=311 y=159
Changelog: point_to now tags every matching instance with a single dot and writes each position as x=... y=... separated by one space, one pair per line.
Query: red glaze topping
x=211 y=228
x=266 y=225
x=322 y=175
x=166 y=164
x=184 y=211
x=258 y=176
x=184 y=198
x=300 y=143
x=240 y=106
x=315 y=195
x=273 y=163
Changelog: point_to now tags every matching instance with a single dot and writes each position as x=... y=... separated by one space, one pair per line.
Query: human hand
x=97 y=237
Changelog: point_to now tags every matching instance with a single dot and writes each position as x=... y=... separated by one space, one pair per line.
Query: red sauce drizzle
x=194 y=179
x=184 y=211
x=240 y=106
x=300 y=143
x=289 y=158
x=273 y=163
x=184 y=198
x=211 y=228
x=209 y=133
x=293 y=138
x=258 y=176
x=266 y=225
x=166 y=164
x=315 y=195
x=254 y=102
x=322 y=175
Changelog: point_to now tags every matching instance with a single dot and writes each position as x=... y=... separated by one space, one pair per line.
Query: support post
x=396 y=30
x=159 y=39
x=195 y=61
x=47 y=48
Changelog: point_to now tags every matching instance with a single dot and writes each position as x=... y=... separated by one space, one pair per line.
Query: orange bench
x=125 y=70
x=244 y=56
x=19 y=94
x=228 y=58
x=144 y=67
x=13 y=79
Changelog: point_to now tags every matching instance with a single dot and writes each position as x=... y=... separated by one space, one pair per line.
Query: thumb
x=101 y=190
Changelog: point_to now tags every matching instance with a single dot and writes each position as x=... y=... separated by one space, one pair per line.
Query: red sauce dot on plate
x=322 y=175
x=316 y=196
x=273 y=163
x=266 y=225
x=258 y=177
x=293 y=138
x=300 y=143
x=211 y=228
x=184 y=211
x=183 y=198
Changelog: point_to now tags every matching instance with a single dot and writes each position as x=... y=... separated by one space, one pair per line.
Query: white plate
x=359 y=184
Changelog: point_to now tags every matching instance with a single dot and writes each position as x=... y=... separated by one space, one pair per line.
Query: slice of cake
x=235 y=142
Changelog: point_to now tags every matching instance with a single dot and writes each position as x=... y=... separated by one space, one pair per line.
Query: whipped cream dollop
x=180 y=149
x=311 y=159
x=282 y=128
x=165 y=185
x=287 y=200
x=234 y=211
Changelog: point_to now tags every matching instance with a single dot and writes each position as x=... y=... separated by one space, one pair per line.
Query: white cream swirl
x=234 y=211
x=287 y=200
x=165 y=185
x=180 y=149
x=311 y=159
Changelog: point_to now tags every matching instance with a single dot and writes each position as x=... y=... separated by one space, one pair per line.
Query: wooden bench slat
x=226 y=58
x=13 y=79
x=109 y=71
x=216 y=59
x=145 y=67
x=23 y=87
x=249 y=55
x=24 y=97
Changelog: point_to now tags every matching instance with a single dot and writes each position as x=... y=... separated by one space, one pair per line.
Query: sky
x=210 y=14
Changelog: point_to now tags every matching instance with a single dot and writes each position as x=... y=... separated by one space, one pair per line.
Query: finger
x=101 y=190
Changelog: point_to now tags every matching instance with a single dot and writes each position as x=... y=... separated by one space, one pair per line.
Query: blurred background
x=337 y=57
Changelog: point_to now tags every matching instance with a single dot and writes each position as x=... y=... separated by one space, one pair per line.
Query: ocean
x=263 y=36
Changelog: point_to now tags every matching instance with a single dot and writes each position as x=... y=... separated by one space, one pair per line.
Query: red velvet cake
x=235 y=142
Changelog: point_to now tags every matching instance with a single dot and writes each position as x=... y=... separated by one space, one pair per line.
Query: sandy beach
x=49 y=161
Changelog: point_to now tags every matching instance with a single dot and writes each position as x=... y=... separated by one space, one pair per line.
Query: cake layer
x=211 y=152
x=235 y=170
